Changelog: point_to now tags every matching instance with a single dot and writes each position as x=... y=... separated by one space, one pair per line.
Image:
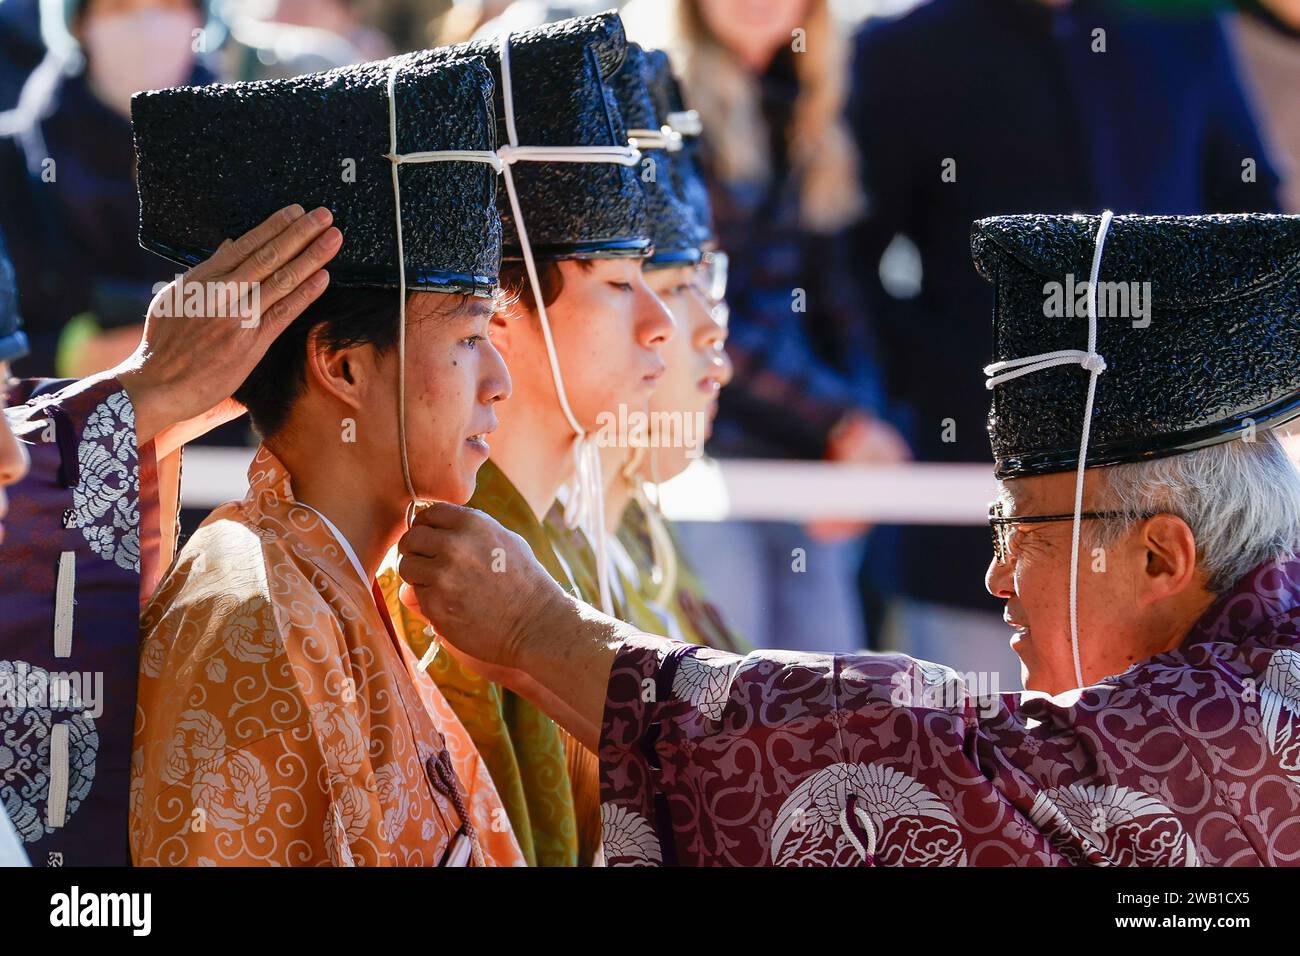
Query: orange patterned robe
x=281 y=721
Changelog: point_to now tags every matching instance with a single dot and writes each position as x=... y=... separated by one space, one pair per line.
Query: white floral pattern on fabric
x=395 y=798
x=1279 y=703
x=338 y=734
x=1122 y=827
x=234 y=791
x=105 y=501
x=628 y=838
x=25 y=748
x=704 y=683
x=336 y=839
x=865 y=813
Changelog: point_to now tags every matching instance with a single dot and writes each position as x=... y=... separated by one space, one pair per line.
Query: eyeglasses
x=711 y=276
x=1001 y=524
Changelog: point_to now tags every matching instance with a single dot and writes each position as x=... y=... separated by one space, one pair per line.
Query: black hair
x=348 y=318
x=516 y=287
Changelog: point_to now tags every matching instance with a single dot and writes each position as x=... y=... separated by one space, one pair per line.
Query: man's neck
x=1181 y=619
x=534 y=449
x=329 y=477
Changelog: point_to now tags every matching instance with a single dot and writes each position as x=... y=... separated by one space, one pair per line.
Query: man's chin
x=1028 y=672
x=456 y=490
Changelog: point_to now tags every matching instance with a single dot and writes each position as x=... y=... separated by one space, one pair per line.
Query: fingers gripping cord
x=590 y=503
x=1094 y=364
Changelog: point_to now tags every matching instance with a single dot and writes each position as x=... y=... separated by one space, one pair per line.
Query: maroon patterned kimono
x=90 y=514
x=1188 y=758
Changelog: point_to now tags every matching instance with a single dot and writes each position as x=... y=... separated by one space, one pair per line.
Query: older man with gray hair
x=1145 y=541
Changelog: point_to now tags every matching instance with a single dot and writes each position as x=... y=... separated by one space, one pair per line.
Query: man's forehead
x=1040 y=494
x=1028 y=495
x=431 y=304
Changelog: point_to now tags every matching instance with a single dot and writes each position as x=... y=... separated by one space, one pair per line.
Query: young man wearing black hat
x=281 y=719
x=585 y=346
x=1146 y=546
x=653 y=586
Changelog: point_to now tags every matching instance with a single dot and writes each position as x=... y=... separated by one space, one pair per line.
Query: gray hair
x=1240 y=498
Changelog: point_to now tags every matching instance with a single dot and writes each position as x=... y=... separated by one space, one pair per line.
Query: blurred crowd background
x=849 y=146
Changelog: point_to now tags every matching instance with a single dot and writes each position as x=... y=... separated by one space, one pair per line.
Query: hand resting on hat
x=186 y=367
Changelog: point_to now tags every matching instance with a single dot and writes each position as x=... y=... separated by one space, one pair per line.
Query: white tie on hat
x=590 y=485
x=1000 y=372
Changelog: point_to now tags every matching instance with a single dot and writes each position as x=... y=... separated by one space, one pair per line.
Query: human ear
x=1170 y=552
x=343 y=373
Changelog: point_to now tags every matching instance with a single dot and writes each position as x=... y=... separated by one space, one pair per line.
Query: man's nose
x=998 y=579
x=654 y=323
x=495 y=385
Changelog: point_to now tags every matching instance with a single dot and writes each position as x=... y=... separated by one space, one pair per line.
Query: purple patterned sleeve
x=70 y=589
x=679 y=716
x=1190 y=757
x=781 y=758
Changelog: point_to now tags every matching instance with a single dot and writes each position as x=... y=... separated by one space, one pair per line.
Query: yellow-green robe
x=631 y=602
x=700 y=620
x=688 y=615
x=546 y=779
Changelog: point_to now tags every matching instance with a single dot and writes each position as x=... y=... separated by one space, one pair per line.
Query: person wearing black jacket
x=68 y=201
x=964 y=109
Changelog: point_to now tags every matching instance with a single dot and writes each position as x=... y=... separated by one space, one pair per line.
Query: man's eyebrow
x=1007 y=495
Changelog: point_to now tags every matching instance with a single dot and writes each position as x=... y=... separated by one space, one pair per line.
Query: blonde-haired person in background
x=769 y=80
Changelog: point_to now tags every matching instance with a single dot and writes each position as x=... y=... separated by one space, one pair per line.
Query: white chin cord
x=1000 y=372
x=663 y=554
x=587 y=462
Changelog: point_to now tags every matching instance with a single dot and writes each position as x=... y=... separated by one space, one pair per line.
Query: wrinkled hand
x=478 y=584
x=186 y=367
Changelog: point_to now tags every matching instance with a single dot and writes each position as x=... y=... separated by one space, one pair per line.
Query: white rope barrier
x=734 y=489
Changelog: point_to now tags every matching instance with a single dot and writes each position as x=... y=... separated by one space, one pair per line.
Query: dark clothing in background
x=1036 y=122
x=21 y=47
x=797 y=373
x=73 y=240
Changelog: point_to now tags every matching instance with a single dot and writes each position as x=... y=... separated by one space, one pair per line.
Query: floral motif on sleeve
x=106 y=500
x=25 y=748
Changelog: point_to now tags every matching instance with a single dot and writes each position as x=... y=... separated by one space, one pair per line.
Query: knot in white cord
x=1094 y=363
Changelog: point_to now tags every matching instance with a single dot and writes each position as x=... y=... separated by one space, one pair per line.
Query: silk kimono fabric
x=574 y=548
x=694 y=617
x=87 y=531
x=688 y=616
x=548 y=782
x=282 y=721
x=1188 y=758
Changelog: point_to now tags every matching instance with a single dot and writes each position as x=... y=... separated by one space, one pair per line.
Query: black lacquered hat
x=688 y=176
x=214 y=161
x=560 y=75
x=13 y=341
x=673 y=228
x=1198 y=329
